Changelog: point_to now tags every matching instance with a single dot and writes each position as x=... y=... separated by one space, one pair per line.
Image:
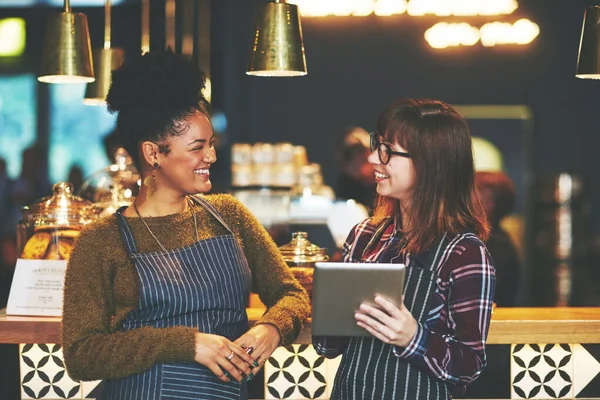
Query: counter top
x=545 y=325
x=508 y=326
x=21 y=329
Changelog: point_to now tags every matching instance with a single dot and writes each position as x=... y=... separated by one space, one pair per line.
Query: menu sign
x=37 y=288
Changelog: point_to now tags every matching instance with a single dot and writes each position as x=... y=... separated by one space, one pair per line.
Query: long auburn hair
x=444 y=198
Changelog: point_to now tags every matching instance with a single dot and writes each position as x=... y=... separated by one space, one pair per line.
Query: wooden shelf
x=508 y=326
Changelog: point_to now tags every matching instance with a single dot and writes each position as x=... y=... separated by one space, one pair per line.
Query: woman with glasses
x=429 y=218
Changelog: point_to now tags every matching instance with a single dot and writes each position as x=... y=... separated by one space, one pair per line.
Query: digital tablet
x=339 y=289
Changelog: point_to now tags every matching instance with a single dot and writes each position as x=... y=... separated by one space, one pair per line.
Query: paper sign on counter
x=37 y=288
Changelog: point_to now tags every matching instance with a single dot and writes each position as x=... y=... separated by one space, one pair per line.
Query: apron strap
x=125 y=232
x=209 y=207
x=431 y=256
x=377 y=235
x=428 y=259
x=127 y=236
x=435 y=253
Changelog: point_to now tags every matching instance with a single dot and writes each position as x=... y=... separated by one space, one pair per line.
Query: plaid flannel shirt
x=450 y=343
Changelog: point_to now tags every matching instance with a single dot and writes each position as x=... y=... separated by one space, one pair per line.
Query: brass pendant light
x=105 y=61
x=145 y=26
x=278 y=49
x=588 y=60
x=67 y=54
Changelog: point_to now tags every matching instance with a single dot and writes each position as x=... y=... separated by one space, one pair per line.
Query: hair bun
x=156 y=80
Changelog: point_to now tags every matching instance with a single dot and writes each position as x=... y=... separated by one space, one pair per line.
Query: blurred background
x=293 y=148
x=512 y=75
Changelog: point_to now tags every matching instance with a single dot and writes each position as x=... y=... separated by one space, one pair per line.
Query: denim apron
x=204 y=285
x=369 y=369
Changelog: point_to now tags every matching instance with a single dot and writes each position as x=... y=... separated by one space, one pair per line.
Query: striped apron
x=204 y=285
x=369 y=369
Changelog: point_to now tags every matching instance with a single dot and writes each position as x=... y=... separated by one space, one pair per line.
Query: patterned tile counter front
x=534 y=353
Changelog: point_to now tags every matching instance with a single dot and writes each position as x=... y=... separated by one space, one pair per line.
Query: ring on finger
x=380 y=328
x=230 y=356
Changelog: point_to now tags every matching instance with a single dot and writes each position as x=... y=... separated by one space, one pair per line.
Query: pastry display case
x=49 y=227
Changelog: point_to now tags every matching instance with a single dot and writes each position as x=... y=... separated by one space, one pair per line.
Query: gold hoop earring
x=150 y=182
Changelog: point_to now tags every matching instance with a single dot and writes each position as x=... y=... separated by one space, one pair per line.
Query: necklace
x=152 y=233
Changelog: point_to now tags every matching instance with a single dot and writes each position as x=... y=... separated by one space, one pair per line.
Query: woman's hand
x=262 y=340
x=222 y=356
x=390 y=324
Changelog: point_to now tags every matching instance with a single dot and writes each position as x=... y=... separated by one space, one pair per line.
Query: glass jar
x=114 y=186
x=49 y=227
x=301 y=256
x=310 y=183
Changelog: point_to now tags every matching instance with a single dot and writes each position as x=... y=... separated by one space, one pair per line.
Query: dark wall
x=357 y=65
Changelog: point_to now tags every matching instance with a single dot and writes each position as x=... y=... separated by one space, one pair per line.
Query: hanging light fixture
x=67 y=54
x=588 y=60
x=105 y=61
x=145 y=26
x=278 y=48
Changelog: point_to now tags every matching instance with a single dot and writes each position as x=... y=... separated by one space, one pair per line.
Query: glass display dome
x=49 y=227
x=114 y=186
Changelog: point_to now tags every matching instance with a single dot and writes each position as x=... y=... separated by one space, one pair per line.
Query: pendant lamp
x=588 y=60
x=67 y=54
x=106 y=60
x=145 y=26
x=278 y=49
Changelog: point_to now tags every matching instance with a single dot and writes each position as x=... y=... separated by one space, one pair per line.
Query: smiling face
x=396 y=178
x=185 y=168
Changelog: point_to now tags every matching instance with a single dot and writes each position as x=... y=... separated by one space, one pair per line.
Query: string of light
x=361 y=8
x=442 y=34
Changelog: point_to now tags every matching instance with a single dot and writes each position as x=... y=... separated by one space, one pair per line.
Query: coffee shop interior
x=522 y=73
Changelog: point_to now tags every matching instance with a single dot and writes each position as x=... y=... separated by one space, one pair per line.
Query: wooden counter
x=508 y=326
x=16 y=329
x=545 y=325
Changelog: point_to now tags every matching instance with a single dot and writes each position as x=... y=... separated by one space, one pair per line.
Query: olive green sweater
x=101 y=288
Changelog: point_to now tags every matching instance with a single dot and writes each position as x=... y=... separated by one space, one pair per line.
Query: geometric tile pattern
x=91 y=389
x=542 y=371
x=586 y=371
x=298 y=372
x=537 y=371
x=332 y=367
x=43 y=374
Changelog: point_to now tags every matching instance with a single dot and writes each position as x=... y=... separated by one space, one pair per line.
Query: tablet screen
x=340 y=288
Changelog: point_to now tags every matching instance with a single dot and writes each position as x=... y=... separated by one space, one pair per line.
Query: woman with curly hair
x=155 y=295
x=429 y=218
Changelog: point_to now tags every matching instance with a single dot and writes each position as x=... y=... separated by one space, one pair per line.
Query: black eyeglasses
x=384 y=151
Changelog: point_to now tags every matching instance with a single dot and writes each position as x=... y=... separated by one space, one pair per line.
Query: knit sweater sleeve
x=286 y=300
x=93 y=346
